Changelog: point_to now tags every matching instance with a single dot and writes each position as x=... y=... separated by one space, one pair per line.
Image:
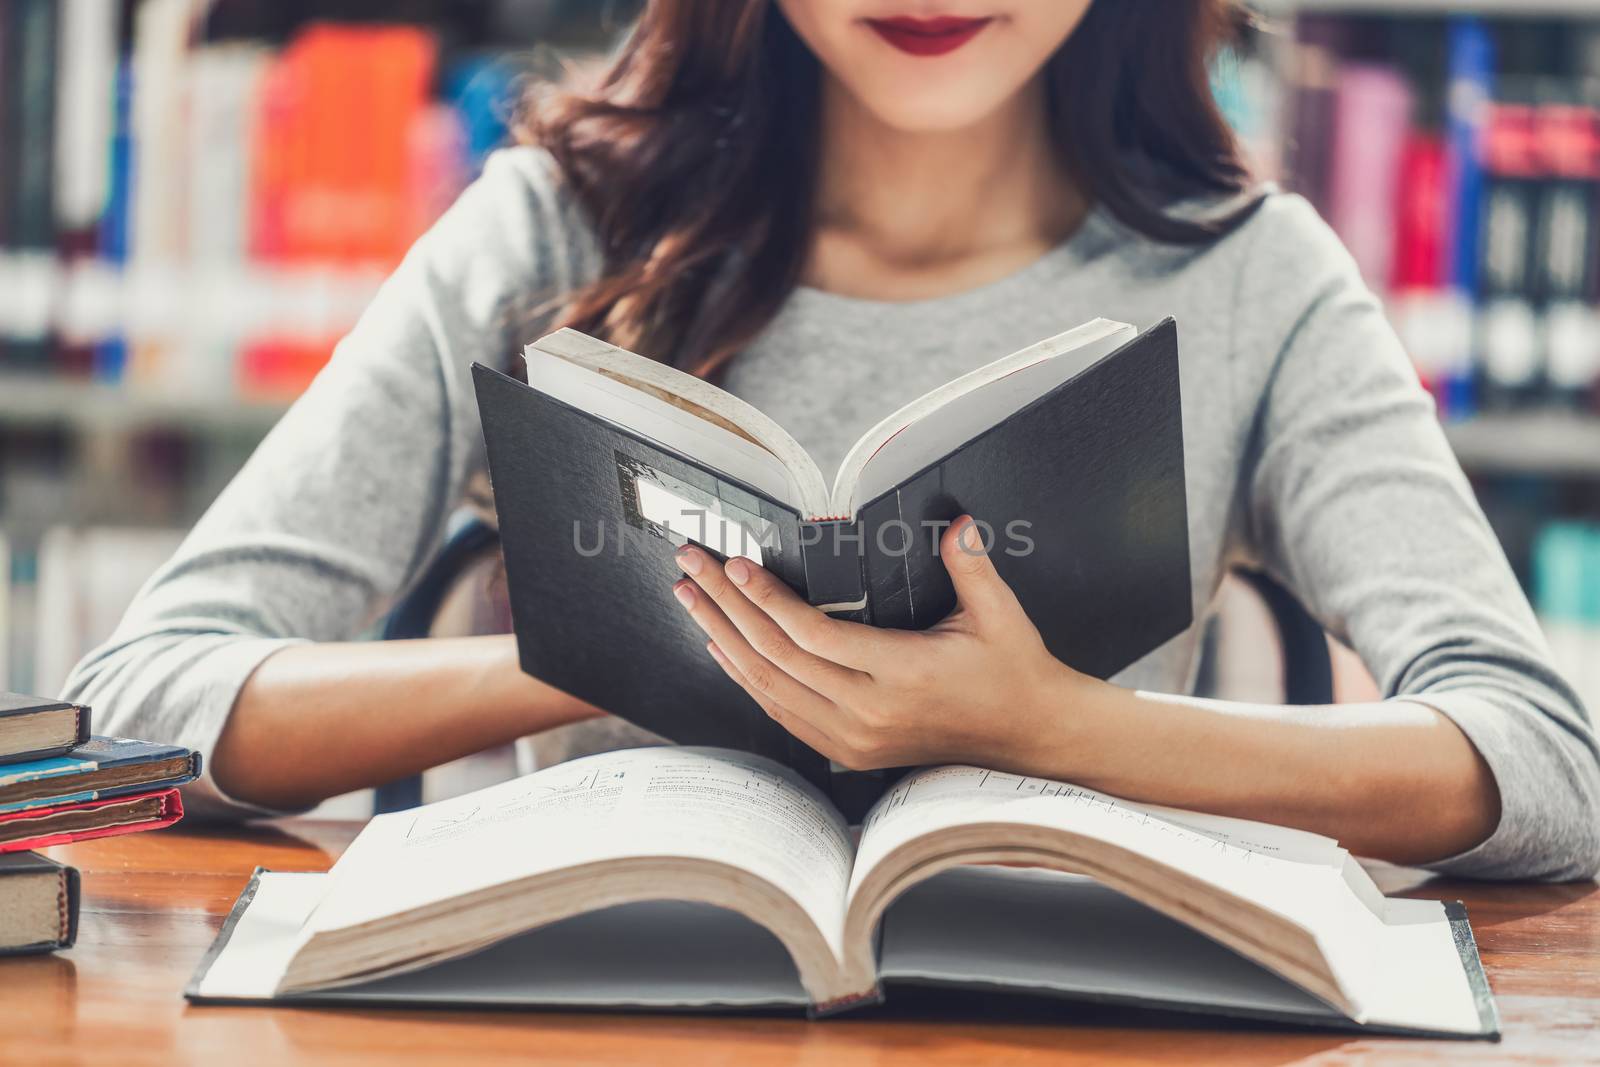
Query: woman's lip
x=928 y=37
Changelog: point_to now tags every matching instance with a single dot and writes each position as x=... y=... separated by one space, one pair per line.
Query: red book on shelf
x=333 y=182
x=1421 y=232
x=21 y=831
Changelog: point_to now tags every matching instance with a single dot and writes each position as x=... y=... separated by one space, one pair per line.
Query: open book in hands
x=677 y=878
x=1068 y=454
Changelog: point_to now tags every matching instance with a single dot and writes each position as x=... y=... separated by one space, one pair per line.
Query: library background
x=197 y=197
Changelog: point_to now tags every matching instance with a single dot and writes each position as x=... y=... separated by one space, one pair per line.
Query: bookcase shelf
x=1508 y=8
x=80 y=405
x=1561 y=444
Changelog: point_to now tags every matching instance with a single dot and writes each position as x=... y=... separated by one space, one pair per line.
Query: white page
x=667 y=953
x=1037 y=929
x=597 y=356
x=936 y=423
x=672 y=427
x=1376 y=962
x=656 y=953
x=265 y=936
x=725 y=807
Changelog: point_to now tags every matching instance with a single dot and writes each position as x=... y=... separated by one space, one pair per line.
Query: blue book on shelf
x=111 y=355
x=1471 y=74
x=1471 y=91
x=102 y=767
x=483 y=91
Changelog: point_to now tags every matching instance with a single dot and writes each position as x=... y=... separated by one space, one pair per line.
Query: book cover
x=1082 y=490
x=29 y=721
x=30 y=100
x=105 y=767
x=39 y=903
x=21 y=831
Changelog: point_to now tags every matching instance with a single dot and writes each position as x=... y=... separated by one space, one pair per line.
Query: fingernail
x=971 y=539
x=684 y=591
x=738 y=570
x=689 y=559
x=716 y=653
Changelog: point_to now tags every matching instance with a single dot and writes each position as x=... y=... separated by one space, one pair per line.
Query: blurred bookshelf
x=1523 y=444
x=84 y=406
x=197 y=199
x=1511 y=8
x=1455 y=148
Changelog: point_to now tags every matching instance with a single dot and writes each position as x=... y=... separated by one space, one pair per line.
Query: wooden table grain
x=153 y=902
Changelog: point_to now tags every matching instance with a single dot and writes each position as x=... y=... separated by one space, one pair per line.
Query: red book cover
x=118 y=820
x=1420 y=235
x=333 y=173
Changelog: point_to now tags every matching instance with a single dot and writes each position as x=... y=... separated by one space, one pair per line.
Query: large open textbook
x=702 y=878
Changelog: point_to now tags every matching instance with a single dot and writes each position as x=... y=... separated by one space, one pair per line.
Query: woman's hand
x=981 y=688
x=973 y=689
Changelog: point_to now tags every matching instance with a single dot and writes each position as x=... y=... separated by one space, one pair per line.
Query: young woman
x=835 y=205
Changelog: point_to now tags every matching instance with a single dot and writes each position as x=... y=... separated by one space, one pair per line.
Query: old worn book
x=676 y=878
x=102 y=768
x=1068 y=453
x=62 y=824
x=38 y=904
x=36 y=727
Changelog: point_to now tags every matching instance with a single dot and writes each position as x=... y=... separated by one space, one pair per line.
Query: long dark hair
x=695 y=157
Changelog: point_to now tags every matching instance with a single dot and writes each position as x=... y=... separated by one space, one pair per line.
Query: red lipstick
x=928 y=37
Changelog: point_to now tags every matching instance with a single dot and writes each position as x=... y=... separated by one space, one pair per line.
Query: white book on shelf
x=86 y=68
x=161 y=31
x=87 y=579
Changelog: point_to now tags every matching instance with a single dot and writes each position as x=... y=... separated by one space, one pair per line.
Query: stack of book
x=58 y=785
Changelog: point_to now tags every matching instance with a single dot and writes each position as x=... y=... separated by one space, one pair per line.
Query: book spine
x=111 y=352
x=8 y=159
x=85 y=100
x=1373 y=117
x=1563 y=242
x=1314 y=102
x=1471 y=88
x=32 y=39
x=833 y=554
x=1508 y=327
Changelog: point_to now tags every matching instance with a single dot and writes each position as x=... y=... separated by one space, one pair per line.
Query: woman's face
x=927 y=65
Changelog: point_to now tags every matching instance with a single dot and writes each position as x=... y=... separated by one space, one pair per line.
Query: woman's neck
x=917 y=215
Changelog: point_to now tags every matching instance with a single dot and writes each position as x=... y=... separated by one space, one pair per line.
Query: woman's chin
x=938 y=109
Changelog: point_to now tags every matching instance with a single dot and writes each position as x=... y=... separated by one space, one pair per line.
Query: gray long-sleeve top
x=1311 y=452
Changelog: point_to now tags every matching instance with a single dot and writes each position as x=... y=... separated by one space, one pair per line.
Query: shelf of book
x=1507 y=8
x=1553 y=443
x=34 y=402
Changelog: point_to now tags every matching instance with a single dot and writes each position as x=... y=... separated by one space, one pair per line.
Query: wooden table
x=152 y=902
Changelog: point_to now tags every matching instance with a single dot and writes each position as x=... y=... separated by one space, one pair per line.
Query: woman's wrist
x=534 y=704
x=1059 y=729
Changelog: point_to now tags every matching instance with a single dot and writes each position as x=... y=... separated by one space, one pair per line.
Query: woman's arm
x=1394 y=780
x=332 y=520
x=317 y=720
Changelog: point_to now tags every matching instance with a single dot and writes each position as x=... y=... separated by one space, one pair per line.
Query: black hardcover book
x=32 y=727
x=29 y=150
x=1069 y=454
x=38 y=904
x=8 y=150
